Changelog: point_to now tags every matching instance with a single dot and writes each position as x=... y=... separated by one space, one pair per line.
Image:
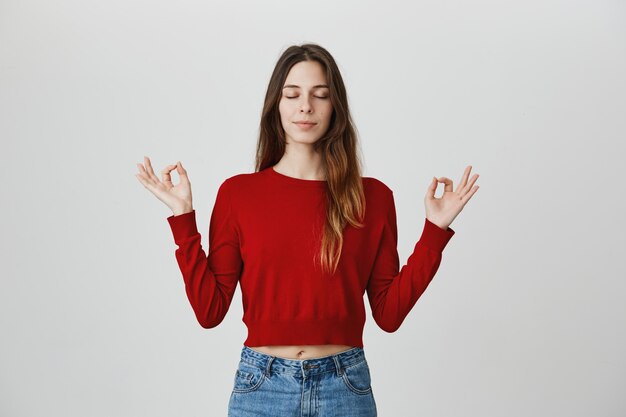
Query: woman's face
x=305 y=97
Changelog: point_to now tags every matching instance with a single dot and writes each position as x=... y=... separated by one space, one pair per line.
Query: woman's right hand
x=176 y=197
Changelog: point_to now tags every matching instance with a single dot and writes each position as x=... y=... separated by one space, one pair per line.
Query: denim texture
x=329 y=386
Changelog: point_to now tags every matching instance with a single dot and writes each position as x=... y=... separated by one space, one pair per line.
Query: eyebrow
x=297 y=86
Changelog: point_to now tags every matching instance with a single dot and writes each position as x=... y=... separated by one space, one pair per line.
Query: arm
x=210 y=281
x=393 y=291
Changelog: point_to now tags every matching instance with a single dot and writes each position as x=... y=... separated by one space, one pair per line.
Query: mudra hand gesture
x=177 y=197
x=442 y=211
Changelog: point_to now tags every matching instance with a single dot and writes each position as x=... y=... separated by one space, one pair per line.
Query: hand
x=442 y=211
x=176 y=197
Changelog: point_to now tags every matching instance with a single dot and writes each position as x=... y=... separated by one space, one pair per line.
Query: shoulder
x=378 y=196
x=237 y=181
x=239 y=185
x=379 y=200
x=377 y=187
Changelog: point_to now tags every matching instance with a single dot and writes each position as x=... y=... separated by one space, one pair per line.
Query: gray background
x=526 y=314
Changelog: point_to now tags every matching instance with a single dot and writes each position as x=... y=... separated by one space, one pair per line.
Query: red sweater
x=263 y=233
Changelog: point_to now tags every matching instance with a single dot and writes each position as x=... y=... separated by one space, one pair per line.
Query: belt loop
x=337 y=365
x=269 y=366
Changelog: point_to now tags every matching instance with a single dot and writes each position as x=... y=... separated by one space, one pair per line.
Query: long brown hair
x=338 y=149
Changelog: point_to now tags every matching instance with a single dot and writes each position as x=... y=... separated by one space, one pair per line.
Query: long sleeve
x=392 y=292
x=210 y=281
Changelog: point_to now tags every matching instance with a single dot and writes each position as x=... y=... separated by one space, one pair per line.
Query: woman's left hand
x=442 y=211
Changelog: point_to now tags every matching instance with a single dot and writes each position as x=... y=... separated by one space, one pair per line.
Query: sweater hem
x=304 y=332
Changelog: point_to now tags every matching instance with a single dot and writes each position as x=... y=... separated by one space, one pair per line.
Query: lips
x=305 y=126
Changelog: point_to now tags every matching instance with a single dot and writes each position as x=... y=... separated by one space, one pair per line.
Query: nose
x=306 y=106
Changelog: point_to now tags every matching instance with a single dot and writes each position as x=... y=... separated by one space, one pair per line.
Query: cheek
x=286 y=109
x=281 y=107
x=327 y=115
x=328 y=111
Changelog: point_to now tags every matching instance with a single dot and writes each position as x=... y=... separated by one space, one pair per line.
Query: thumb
x=432 y=187
x=182 y=172
x=179 y=168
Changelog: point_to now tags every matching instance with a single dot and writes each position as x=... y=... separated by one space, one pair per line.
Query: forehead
x=306 y=74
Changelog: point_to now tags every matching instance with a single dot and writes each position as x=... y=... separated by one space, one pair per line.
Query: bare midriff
x=301 y=351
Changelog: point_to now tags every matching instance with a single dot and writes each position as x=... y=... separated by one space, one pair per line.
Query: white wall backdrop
x=526 y=315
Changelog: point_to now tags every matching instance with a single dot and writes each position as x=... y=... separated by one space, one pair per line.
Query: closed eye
x=323 y=98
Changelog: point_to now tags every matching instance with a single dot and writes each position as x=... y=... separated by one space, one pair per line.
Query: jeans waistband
x=274 y=364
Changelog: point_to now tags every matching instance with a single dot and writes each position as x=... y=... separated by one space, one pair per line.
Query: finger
x=144 y=174
x=469 y=195
x=182 y=172
x=432 y=187
x=468 y=187
x=448 y=183
x=466 y=174
x=145 y=182
x=150 y=170
x=165 y=175
x=141 y=180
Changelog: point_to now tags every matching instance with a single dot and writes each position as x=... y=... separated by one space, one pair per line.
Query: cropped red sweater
x=264 y=232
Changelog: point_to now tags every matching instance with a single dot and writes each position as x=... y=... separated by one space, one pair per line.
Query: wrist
x=182 y=210
x=439 y=224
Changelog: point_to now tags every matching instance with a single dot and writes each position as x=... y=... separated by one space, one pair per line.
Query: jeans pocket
x=248 y=377
x=357 y=378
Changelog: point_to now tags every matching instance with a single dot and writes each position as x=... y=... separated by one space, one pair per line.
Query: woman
x=298 y=238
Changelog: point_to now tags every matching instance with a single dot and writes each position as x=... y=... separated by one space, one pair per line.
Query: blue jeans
x=271 y=386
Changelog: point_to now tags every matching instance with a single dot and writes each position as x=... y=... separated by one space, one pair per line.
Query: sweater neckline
x=295 y=181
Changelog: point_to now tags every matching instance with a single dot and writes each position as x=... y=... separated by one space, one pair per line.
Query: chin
x=300 y=138
x=303 y=142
